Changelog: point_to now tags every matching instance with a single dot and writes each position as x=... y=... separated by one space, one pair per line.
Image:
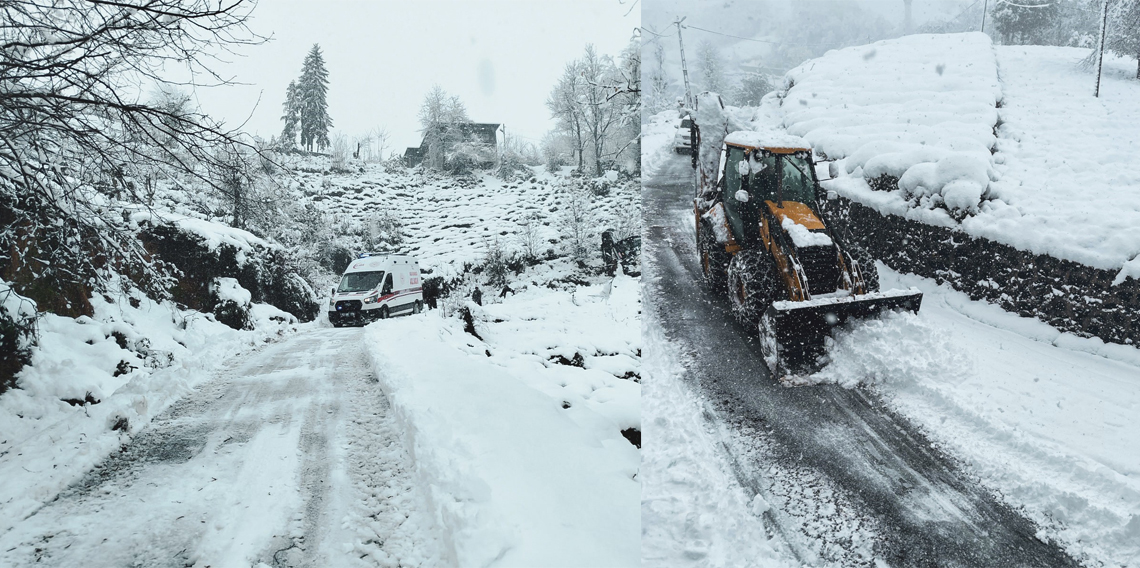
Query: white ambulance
x=376 y=286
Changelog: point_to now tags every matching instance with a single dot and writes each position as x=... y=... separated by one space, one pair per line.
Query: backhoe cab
x=762 y=237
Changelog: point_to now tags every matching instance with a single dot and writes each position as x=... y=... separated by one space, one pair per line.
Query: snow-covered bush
x=497 y=264
x=578 y=222
x=17 y=334
x=899 y=111
x=467 y=156
x=529 y=236
x=335 y=257
x=232 y=303
x=385 y=231
x=340 y=153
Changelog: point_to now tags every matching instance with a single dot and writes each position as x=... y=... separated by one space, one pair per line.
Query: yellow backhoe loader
x=763 y=238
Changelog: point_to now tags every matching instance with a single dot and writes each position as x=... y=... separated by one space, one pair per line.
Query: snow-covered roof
x=766 y=139
x=377 y=262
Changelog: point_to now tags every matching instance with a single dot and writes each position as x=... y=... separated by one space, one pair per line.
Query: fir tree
x=312 y=91
x=292 y=116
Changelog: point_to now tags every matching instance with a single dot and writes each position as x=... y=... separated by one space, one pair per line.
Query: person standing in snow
x=609 y=253
x=477 y=296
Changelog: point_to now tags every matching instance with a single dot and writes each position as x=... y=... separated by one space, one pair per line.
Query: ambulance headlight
x=372 y=298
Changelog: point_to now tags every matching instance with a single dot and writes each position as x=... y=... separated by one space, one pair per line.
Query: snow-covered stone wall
x=1067 y=295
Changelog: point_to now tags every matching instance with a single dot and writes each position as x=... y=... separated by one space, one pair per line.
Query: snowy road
x=850 y=482
x=289 y=459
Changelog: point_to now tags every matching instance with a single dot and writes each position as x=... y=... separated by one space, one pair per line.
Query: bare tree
x=71 y=133
x=565 y=107
x=600 y=116
x=658 y=81
x=380 y=136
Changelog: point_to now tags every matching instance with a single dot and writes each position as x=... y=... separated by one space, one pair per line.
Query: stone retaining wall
x=1069 y=296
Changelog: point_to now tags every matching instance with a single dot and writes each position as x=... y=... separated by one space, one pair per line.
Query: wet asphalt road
x=925 y=510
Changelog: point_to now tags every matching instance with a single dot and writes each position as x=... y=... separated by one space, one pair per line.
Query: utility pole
x=985 y=8
x=1100 y=55
x=684 y=67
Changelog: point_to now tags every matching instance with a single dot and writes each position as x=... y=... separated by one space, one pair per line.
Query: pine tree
x=292 y=116
x=313 y=109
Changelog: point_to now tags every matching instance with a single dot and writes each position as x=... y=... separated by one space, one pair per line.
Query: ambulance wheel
x=337 y=324
x=417 y=307
x=383 y=312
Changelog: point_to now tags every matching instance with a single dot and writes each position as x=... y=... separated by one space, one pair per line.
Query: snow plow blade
x=792 y=334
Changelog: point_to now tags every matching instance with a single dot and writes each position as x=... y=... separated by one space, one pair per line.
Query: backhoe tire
x=867 y=268
x=753 y=284
x=714 y=259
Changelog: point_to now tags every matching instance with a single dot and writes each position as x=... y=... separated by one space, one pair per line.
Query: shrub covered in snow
x=17 y=333
x=901 y=110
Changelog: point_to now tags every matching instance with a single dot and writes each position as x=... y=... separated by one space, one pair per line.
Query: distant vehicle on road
x=376 y=286
x=683 y=139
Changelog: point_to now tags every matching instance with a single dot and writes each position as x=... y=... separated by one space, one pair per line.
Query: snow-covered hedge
x=917 y=113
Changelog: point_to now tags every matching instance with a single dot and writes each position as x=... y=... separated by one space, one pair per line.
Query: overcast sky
x=501 y=57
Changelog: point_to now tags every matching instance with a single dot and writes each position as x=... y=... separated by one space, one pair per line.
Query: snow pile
x=228 y=290
x=15 y=305
x=214 y=234
x=765 y=139
x=694 y=511
x=898 y=347
x=802 y=237
x=1044 y=419
x=518 y=437
x=93 y=382
x=920 y=109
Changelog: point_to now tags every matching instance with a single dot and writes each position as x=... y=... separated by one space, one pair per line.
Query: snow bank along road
x=290 y=459
x=850 y=482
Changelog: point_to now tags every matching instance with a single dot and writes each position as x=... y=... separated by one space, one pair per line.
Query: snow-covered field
x=518 y=433
x=448 y=221
x=929 y=109
x=1045 y=419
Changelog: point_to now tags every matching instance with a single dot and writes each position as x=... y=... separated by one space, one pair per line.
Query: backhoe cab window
x=731 y=183
x=762 y=180
x=798 y=184
x=360 y=281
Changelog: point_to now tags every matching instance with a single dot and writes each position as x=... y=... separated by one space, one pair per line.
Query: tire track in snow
x=259 y=466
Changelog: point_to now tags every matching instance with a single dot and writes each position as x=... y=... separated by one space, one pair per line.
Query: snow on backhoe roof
x=766 y=139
